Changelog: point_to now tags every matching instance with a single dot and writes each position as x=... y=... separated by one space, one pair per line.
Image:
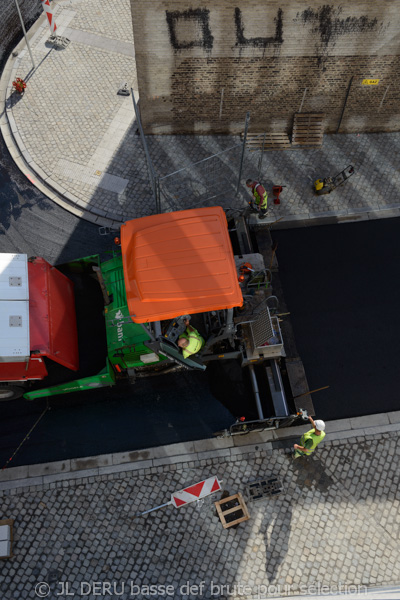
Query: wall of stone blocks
x=203 y=64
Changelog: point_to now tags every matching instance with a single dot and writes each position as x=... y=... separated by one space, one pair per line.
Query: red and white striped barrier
x=195 y=492
x=50 y=17
x=189 y=494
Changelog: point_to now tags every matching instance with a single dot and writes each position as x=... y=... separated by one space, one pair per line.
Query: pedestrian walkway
x=76 y=139
x=334 y=528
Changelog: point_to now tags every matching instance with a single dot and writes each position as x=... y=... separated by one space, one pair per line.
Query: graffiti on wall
x=328 y=25
x=326 y=22
x=200 y=17
x=258 y=42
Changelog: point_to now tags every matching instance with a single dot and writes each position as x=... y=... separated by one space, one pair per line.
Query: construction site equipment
x=257 y=490
x=92 y=323
x=232 y=510
x=327 y=185
x=192 y=493
x=308 y=130
x=268 y=141
x=276 y=190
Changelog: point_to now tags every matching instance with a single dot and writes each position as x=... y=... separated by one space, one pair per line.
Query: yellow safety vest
x=196 y=342
x=260 y=201
x=310 y=435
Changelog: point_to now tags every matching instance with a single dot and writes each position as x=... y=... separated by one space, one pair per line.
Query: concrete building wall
x=203 y=64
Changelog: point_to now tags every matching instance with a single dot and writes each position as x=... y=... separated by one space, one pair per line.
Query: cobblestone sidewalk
x=76 y=139
x=336 y=524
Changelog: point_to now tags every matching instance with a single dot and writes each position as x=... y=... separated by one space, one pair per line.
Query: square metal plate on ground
x=264 y=488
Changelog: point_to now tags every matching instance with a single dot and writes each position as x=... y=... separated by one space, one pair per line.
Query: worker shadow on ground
x=277 y=529
x=304 y=474
x=307 y=471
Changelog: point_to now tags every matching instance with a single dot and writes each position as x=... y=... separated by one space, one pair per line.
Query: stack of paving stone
x=6 y=538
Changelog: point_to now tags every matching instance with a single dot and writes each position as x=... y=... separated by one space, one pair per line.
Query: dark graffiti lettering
x=258 y=42
x=327 y=22
x=201 y=18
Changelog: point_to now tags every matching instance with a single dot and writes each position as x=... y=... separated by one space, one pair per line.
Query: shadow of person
x=277 y=527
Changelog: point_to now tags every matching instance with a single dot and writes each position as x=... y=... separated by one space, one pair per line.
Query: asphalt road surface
x=342 y=287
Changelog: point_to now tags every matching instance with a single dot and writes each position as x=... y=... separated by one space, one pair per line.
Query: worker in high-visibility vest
x=190 y=341
x=310 y=440
x=260 y=197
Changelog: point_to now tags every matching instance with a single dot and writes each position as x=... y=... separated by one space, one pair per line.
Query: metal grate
x=262 y=329
x=264 y=487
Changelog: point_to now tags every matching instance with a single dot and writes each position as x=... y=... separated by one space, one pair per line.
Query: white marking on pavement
x=87 y=175
x=113 y=138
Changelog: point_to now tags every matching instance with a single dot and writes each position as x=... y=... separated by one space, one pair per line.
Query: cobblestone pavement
x=336 y=524
x=76 y=139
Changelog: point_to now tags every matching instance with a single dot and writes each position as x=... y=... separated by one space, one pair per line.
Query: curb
x=294 y=222
x=36 y=175
x=230 y=448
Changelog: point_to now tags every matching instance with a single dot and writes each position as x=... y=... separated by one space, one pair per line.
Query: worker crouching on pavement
x=260 y=197
x=310 y=440
x=190 y=341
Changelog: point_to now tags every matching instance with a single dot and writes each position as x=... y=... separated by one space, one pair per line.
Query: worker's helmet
x=249 y=182
x=320 y=425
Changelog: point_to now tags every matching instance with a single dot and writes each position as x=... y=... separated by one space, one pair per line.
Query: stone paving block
x=211 y=444
x=394 y=417
x=62 y=466
x=70 y=476
x=170 y=460
x=91 y=462
x=133 y=466
x=20 y=483
x=134 y=456
x=369 y=421
x=373 y=431
x=184 y=448
x=221 y=453
x=236 y=452
x=338 y=425
x=12 y=473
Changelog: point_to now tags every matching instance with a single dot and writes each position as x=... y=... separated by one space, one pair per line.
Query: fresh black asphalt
x=341 y=285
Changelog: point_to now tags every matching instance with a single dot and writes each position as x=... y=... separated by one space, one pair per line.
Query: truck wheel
x=10 y=392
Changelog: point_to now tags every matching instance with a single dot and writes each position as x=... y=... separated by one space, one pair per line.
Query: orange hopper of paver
x=179 y=263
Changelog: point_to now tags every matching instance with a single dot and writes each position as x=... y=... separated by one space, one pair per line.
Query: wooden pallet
x=273 y=141
x=308 y=130
x=233 y=506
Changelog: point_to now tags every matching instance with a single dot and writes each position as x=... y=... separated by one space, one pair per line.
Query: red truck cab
x=37 y=320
